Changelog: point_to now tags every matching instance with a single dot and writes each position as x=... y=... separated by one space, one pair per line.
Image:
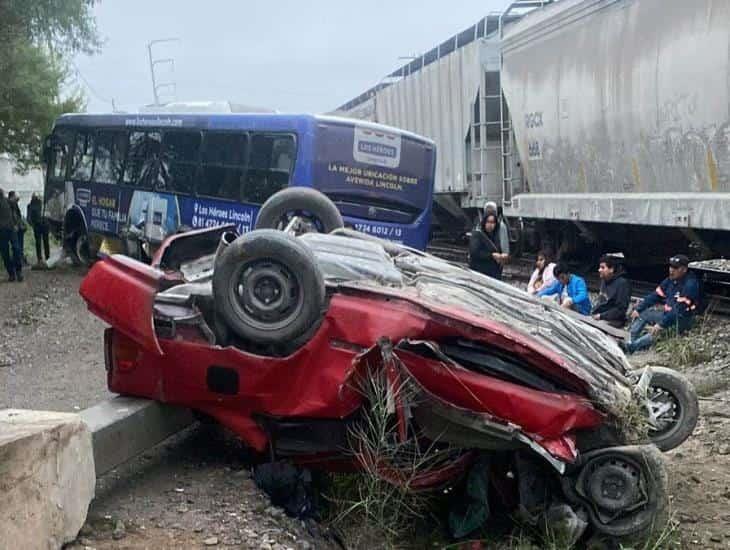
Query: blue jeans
x=638 y=342
x=11 y=252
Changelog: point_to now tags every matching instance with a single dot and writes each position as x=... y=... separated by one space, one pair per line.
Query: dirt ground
x=195 y=491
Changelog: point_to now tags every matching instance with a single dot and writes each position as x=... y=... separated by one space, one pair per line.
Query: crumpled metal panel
x=121 y=291
x=347 y=259
x=536 y=327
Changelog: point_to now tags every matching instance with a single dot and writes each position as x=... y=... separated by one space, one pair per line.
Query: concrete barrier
x=49 y=463
x=47 y=478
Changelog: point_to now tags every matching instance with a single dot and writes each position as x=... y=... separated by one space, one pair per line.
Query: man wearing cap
x=680 y=295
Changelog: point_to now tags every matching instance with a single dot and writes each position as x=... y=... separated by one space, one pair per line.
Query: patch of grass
x=665 y=539
x=711 y=384
x=683 y=350
x=389 y=509
x=632 y=422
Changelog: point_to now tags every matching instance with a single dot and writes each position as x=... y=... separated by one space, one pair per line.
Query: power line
x=93 y=91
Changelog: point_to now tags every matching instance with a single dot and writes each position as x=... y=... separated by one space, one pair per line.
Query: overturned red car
x=278 y=333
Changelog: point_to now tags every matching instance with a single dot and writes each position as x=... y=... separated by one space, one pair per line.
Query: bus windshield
x=138 y=179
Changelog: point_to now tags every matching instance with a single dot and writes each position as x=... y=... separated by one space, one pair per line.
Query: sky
x=293 y=56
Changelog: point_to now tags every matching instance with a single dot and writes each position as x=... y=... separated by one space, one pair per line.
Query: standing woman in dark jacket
x=485 y=248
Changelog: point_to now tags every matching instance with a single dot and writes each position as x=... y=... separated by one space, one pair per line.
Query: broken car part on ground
x=274 y=334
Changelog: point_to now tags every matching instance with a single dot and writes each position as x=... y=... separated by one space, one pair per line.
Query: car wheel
x=625 y=490
x=267 y=287
x=673 y=400
x=301 y=208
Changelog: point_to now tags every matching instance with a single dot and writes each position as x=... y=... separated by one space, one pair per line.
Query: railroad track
x=717 y=286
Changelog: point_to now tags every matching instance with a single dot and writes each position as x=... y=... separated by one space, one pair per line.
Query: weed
x=683 y=350
x=389 y=506
x=711 y=384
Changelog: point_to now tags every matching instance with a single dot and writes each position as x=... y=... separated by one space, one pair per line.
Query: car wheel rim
x=613 y=485
x=666 y=409
x=267 y=294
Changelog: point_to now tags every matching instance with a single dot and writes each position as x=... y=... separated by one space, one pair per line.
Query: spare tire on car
x=308 y=203
x=267 y=287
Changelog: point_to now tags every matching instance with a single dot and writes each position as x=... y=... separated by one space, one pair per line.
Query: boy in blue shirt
x=571 y=290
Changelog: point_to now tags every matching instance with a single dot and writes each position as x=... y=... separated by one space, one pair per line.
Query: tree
x=40 y=38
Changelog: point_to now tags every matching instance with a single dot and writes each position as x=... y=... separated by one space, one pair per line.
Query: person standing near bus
x=14 y=201
x=485 y=248
x=9 y=246
x=40 y=230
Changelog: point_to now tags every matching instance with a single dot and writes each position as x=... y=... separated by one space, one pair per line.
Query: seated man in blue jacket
x=680 y=295
x=571 y=290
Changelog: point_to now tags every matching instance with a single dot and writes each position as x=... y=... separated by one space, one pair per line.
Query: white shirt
x=548 y=278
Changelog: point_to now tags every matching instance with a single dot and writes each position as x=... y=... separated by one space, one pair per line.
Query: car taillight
x=122 y=353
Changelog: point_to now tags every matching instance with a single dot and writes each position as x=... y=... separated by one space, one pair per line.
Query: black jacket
x=613 y=299
x=35 y=212
x=6 y=214
x=18 y=222
x=481 y=248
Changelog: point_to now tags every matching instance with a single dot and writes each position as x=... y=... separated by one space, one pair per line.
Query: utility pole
x=153 y=64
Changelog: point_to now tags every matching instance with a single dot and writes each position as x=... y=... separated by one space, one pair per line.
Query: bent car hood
x=443 y=288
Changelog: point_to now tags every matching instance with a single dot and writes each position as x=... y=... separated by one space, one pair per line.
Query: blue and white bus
x=140 y=178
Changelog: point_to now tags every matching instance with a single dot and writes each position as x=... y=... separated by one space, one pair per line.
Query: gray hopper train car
x=599 y=124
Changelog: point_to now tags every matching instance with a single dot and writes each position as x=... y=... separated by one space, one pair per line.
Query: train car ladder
x=506 y=135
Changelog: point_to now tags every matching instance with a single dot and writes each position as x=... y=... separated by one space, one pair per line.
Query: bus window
x=143 y=152
x=181 y=154
x=111 y=147
x=270 y=165
x=223 y=165
x=61 y=145
x=83 y=156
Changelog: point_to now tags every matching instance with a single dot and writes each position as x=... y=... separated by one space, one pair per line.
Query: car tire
x=268 y=288
x=636 y=523
x=299 y=199
x=671 y=385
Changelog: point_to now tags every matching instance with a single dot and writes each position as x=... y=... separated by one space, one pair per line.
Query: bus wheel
x=80 y=249
x=299 y=210
x=267 y=287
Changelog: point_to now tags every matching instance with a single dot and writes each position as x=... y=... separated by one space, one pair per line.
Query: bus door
x=56 y=156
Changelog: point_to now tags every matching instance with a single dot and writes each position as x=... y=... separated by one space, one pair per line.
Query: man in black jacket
x=14 y=201
x=615 y=294
x=9 y=246
x=40 y=229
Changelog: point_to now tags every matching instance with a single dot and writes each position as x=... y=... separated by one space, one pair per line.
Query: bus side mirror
x=46 y=153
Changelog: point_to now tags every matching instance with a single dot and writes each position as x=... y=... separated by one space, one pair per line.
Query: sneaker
x=20 y=277
x=11 y=278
